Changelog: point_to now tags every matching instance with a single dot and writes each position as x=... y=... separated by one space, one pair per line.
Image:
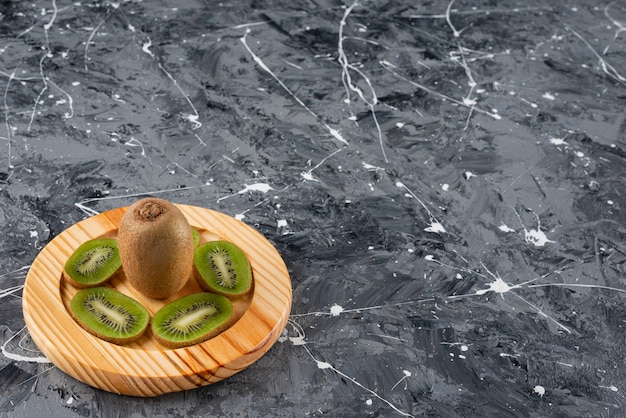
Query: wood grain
x=145 y=368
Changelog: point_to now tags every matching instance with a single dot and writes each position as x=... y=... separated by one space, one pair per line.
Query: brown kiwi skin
x=156 y=247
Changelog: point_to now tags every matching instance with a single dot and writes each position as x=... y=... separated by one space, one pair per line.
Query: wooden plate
x=145 y=368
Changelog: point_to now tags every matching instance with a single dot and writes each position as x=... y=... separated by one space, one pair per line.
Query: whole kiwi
x=156 y=247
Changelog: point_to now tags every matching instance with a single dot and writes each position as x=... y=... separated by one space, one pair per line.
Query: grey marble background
x=444 y=180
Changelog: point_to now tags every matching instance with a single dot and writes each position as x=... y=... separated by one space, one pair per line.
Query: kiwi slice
x=191 y=319
x=93 y=263
x=222 y=267
x=196 y=237
x=109 y=314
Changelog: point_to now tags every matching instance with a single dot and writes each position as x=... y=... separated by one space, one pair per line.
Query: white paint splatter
x=435 y=227
x=548 y=96
x=323 y=365
x=468 y=175
x=336 y=310
x=536 y=237
x=146 y=48
x=307 y=175
x=299 y=340
x=257 y=187
x=445 y=187
x=508 y=355
x=498 y=286
x=539 y=390
x=368 y=402
x=370 y=167
x=557 y=141
x=505 y=228
x=17 y=357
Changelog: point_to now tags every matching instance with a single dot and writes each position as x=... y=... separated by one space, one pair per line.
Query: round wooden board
x=144 y=367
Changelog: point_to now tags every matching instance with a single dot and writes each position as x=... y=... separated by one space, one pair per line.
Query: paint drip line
x=589 y=286
x=337 y=310
x=333 y=132
x=607 y=68
x=308 y=175
x=388 y=66
x=192 y=118
x=257 y=187
x=347 y=79
x=542 y=313
x=435 y=225
x=10 y=291
x=324 y=365
x=89 y=211
x=92 y=35
x=16 y=271
x=17 y=357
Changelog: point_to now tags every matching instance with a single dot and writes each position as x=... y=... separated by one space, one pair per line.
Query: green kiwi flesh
x=93 y=263
x=222 y=267
x=109 y=315
x=196 y=237
x=192 y=319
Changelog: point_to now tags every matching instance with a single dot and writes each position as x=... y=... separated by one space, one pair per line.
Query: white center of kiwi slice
x=192 y=319
x=223 y=268
x=115 y=316
x=91 y=261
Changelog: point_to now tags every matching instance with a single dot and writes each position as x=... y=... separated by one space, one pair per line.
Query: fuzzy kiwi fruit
x=93 y=263
x=109 y=314
x=222 y=267
x=156 y=246
x=191 y=319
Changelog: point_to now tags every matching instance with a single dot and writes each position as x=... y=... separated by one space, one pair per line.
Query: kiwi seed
x=191 y=319
x=109 y=314
x=222 y=267
x=93 y=263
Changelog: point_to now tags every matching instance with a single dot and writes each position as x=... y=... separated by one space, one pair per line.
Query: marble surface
x=444 y=180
